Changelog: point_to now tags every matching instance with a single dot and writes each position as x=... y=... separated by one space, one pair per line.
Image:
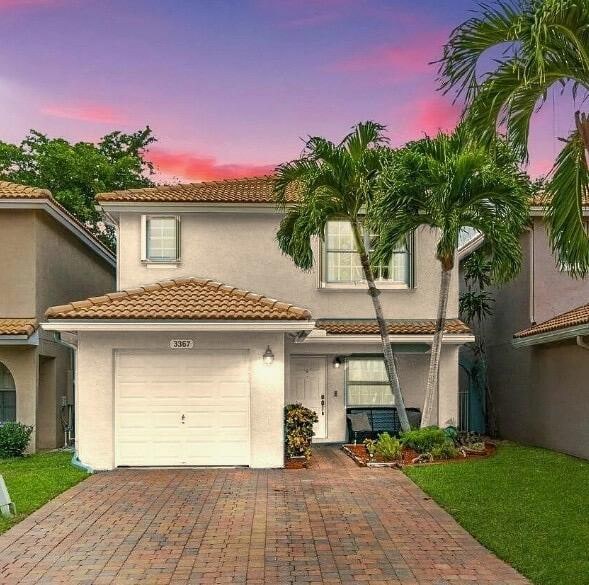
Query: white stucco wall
x=95 y=394
x=240 y=249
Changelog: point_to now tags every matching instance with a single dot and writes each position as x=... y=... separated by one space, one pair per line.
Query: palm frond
x=568 y=189
x=292 y=175
x=493 y=26
x=363 y=136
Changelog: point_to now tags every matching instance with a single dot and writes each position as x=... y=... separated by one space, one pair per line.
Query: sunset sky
x=231 y=87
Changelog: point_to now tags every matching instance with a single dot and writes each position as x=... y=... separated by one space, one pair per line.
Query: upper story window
x=341 y=263
x=160 y=238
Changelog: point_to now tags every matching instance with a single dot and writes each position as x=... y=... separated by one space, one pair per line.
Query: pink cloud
x=87 y=112
x=421 y=116
x=539 y=167
x=435 y=113
x=409 y=58
x=202 y=167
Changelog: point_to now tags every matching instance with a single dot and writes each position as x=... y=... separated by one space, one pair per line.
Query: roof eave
x=540 y=210
x=20 y=339
x=130 y=325
x=320 y=336
x=551 y=336
x=116 y=207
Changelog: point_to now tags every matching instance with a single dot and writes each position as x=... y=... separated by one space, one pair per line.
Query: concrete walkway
x=333 y=523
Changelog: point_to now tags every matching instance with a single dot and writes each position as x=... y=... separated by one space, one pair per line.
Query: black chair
x=369 y=422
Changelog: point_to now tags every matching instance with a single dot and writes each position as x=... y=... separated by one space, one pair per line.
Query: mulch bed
x=360 y=455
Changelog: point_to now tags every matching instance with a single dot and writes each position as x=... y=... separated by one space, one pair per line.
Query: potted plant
x=298 y=432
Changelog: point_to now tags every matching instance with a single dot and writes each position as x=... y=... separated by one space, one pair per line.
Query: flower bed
x=360 y=454
x=423 y=445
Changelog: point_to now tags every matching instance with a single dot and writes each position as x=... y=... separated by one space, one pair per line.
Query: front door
x=307 y=386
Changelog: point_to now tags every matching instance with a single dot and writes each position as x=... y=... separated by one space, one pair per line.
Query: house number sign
x=181 y=343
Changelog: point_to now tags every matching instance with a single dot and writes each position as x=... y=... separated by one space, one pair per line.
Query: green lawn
x=34 y=480
x=530 y=506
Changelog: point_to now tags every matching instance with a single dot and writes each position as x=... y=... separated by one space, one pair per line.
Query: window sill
x=362 y=287
x=161 y=263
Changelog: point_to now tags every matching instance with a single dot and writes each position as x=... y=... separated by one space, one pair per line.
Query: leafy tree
x=449 y=183
x=75 y=172
x=337 y=181
x=538 y=45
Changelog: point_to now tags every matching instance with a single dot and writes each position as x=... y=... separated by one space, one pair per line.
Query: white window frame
x=144 y=226
x=361 y=284
x=348 y=382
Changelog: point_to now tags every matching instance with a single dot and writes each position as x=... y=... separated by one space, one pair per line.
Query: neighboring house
x=537 y=339
x=46 y=257
x=196 y=368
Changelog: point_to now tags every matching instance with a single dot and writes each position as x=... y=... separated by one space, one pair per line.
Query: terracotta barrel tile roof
x=395 y=326
x=247 y=190
x=578 y=316
x=15 y=191
x=181 y=299
x=11 y=326
x=542 y=199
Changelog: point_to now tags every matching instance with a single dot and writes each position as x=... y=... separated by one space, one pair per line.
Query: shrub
x=14 y=439
x=389 y=448
x=298 y=430
x=446 y=450
x=424 y=440
x=370 y=445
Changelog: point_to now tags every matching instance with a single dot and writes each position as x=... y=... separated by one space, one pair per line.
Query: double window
x=341 y=262
x=161 y=238
x=367 y=383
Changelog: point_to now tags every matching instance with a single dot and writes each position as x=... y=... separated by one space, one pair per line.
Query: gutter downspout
x=75 y=461
x=581 y=342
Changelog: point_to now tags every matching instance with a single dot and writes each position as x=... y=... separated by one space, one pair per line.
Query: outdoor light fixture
x=268 y=356
x=337 y=362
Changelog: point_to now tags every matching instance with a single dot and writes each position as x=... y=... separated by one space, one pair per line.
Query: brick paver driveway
x=334 y=523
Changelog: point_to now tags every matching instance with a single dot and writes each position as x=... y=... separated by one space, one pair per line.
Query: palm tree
x=538 y=44
x=337 y=181
x=450 y=183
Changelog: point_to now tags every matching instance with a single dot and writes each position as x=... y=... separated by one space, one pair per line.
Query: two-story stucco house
x=213 y=330
x=46 y=257
x=537 y=349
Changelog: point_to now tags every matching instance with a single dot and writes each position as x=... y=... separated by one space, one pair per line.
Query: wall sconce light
x=337 y=362
x=268 y=356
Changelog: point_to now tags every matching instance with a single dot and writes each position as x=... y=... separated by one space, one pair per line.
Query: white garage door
x=182 y=408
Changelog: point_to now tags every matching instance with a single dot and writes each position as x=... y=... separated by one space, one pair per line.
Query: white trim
x=144 y=238
x=551 y=336
x=105 y=325
x=20 y=339
x=58 y=214
x=320 y=336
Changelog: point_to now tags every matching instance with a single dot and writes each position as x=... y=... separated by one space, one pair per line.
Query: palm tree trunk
x=389 y=359
x=433 y=377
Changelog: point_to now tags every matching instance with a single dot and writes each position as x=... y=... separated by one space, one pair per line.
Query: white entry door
x=185 y=407
x=307 y=386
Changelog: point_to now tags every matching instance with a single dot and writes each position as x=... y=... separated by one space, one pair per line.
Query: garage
x=189 y=407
